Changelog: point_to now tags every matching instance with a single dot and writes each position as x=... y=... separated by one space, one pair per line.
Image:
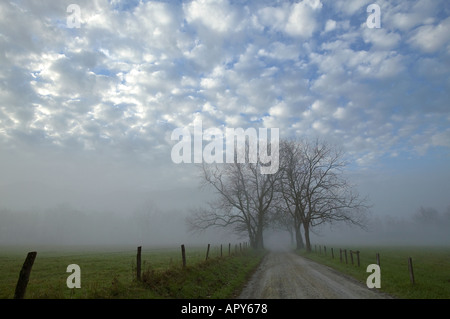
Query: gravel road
x=285 y=275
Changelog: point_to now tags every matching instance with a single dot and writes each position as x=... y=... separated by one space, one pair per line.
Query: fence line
x=357 y=252
x=25 y=272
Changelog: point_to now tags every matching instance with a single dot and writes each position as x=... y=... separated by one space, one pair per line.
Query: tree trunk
x=299 y=238
x=307 y=240
x=259 y=240
x=252 y=239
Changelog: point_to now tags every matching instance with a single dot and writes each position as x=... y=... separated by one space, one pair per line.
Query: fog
x=158 y=218
x=75 y=201
x=117 y=218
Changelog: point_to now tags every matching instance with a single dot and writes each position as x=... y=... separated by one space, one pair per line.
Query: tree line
x=309 y=189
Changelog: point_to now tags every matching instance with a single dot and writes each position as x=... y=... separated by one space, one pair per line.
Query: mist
x=98 y=203
x=149 y=218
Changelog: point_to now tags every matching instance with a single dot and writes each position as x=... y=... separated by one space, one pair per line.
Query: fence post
x=207 y=253
x=332 y=253
x=340 y=254
x=351 y=256
x=378 y=259
x=229 y=249
x=24 y=276
x=325 y=250
x=183 y=256
x=411 y=272
x=138 y=264
x=221 y=250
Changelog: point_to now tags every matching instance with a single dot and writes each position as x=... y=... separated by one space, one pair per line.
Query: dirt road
x=285 y=275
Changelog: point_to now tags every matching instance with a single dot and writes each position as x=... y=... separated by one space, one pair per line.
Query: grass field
x=431 y=267
x=111 y=273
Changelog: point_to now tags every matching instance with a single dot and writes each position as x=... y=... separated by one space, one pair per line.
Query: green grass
x=112 y=274
x=217 y=278
x=431 y=266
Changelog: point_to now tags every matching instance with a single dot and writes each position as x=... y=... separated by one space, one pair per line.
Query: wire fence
x=140 y=259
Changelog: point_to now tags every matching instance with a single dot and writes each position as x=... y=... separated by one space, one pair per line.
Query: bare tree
x=426 y=216
x=314 y=188
x=291 y=187
x=244 y=203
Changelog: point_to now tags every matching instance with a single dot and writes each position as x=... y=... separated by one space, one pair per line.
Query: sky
x=90 y=94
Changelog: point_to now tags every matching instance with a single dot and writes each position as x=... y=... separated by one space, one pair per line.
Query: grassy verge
x=218 y=278
x=430 y=265
x=112 y=274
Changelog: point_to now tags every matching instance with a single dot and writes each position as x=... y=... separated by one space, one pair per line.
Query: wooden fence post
x=207 y=253
x=24 y=276
x=138 y=264
x=183 y=256
x=229 y=249
x=325 y=250
x=332 y=253
x=411 y=272
x=378 y=259
x=221 y=250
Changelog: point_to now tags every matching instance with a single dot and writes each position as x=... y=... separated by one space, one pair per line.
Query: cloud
x=215 y=15
x=431 y=38
x=330 y=25
x=351 y=7
x=301 y=21
x=416 y=13
x=381 y=38
x=296 y=20
x=441 y=139
x=116 y=87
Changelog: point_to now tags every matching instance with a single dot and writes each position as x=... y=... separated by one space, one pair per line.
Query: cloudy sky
x=89 y=97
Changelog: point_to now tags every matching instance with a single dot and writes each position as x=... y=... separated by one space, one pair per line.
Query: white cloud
x=302 y=21
x=280 y=51
x=416 y=13
x=218 y=16
x=274 y=17
x=296 y=20
x=381 y=38
x=441 y=138
x=321 y=127
x=340 y=113
x=431 y=38
x=280 y=110
x=330 y=25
